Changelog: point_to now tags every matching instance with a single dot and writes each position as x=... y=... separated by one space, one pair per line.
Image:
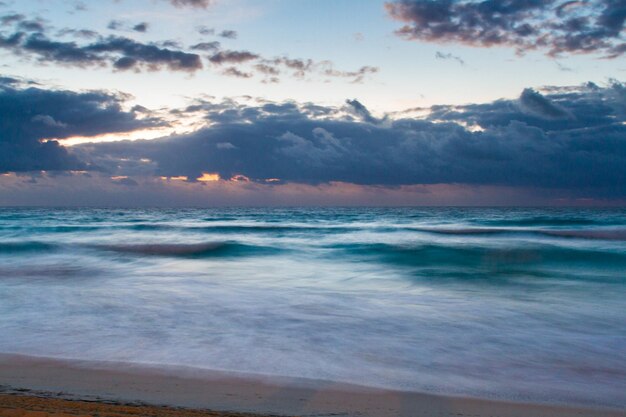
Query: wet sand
x=43 y=387
x=31 y=406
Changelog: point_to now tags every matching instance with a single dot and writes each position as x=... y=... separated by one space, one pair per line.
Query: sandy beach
x=32 y=406
x=41 y=387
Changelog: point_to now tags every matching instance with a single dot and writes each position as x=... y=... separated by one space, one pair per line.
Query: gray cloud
x=29 y=116
x=539 y=106
x=12 y=18
x=361 y=111
x=206 y=46
x=31 y=25
x=204 y=30
x=4 y=81
x=129 y=182
x=559 y=27
x=448 y=56
x=228 y=34
x=115 y=24
x=560 y=109
x=571 y=139
x=141 y=27
x=78 y=33
x=232 y=57
x=146 y=56
x=234 y=72
x=357 y=76
x=300 y=68
x=202 y=4
x=119 y=52
x=29 y=40
x=267 y=69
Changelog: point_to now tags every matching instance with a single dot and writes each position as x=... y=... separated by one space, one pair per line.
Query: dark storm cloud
x=563 y=109
x=6 y=81
x=539 y=106
x=30 y=40
x=29 y=116
x=361 y=111
x=148 y=56
x=11 y=40
x=57 y=51
x=556 y=26
x=569 y=139
x=120 y=52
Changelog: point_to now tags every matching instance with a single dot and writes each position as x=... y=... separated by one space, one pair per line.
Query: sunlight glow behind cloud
x=208 y=177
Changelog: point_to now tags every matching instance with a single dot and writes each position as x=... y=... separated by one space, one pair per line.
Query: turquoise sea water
x=520 y=304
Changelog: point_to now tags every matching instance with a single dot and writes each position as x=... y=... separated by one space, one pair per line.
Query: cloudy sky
x=312 y=102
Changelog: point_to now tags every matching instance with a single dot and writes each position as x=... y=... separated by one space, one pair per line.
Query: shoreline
x=60 y=379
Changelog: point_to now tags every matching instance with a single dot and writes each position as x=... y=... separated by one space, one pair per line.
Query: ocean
x=514 y=304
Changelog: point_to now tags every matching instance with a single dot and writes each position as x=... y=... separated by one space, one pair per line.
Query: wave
x=486 y=258
x=223 y=228
x=52 y=229
x=276 y=228
x=18 y=247
x=81 y=228
x=173 y=249
x=247 y=228
x=593 y=234
x=598 y=233
x=148 y=226
x=464 y=231
x=547 y=221
x=189 y=249
x=611 y=234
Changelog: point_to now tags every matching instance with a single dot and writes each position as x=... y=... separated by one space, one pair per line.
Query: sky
x=312 y=102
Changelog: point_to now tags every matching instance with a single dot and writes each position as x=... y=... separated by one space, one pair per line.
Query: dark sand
x=31 y=406
x=42 y=387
